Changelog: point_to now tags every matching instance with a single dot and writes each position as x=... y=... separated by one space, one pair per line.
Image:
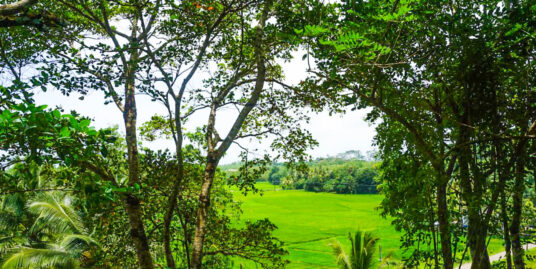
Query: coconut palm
x=56 y=239
x=361 y=256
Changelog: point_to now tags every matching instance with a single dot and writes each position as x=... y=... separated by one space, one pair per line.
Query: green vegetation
x=332 y=174
x=449 y=85
x=308 y=222
x=361 y=254
x=56 y=237
x=530 y=260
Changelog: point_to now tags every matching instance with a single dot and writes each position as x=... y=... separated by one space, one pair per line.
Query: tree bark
x=132 y=202
x=515 y=226
x=444 y=225
x=434 y=236
x=202 y=212
x=507 y=242
x=172 y=202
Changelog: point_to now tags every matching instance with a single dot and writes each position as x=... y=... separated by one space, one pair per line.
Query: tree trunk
x=507 y=242
x=479 y=252
x=515 y=226
x=14 y=8
x=137 y=232
x=172 y=202
x=214 y=154
x=132 y=202
x=434 y=236
x=444 y=226
x=202 y=212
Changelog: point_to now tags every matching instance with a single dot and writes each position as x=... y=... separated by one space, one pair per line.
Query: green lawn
x=308 y=221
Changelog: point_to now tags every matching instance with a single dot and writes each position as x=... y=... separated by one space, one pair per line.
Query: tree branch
x=17 y=7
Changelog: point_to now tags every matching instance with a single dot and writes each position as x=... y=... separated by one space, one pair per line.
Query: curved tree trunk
x=215 y=153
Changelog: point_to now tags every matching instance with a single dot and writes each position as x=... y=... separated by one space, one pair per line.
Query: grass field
x=308 y=221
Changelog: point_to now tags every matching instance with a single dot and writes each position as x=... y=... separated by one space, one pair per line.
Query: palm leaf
x=40 y=258
x=55 y=216
x=78 y=242
x=363 y=247
x=340 y=255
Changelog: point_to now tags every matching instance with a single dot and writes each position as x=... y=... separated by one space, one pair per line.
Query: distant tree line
x=347 y=176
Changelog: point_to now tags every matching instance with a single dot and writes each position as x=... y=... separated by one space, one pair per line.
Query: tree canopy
x=449 y=85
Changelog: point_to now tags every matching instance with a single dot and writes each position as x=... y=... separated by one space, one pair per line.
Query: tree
x=25 y=13
x=241 y=59
x=41 y=229
x=110 y=67
x=363 y=248
x=439 y=118
x=120 y=61
x=14 y=8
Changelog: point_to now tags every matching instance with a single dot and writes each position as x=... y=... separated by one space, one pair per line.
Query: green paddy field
x=307 y=222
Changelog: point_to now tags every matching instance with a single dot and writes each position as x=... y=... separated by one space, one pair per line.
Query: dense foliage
x=345 y=176
x=449 y=84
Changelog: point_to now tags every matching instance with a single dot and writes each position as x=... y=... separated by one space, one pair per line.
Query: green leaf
x=84 y=123
x=513 y=30
x=56 y=113
x=64 y=132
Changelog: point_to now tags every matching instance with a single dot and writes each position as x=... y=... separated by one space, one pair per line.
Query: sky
x=335 y=134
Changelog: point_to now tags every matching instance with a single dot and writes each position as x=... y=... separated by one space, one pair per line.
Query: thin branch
x=101 y=77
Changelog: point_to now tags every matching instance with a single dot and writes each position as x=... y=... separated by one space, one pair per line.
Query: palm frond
x=78 y=242
x=57 y=216
x=12 y=208
x=340 y=255
x=363 y=248
x=40 y=258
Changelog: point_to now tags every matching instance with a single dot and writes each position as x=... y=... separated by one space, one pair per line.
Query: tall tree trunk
x=515 y=226
x=172 y=203
x=434 y=236
x=202 y=213
x=479 y=252
x=132 y=202
x=214 y=154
